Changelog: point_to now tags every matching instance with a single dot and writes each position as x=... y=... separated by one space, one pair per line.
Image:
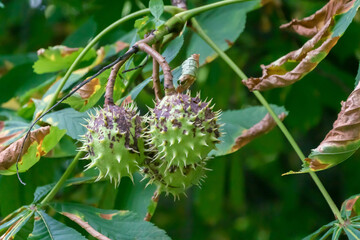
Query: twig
x=133 y=50
x=109 y=100
x=155 y=75
x=168 y=84
x=179 y=3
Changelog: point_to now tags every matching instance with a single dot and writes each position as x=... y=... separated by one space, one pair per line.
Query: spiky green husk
x=114 y=142
x=183 y=130
x=174 y=180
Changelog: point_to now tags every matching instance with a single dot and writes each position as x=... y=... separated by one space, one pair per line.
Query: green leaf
x=15 y=228
x=236 y=122
x=156 y=8
x=25 y=231
x=46 y=227
x=352 y=233
x=1 y=5
x=343 y=20
x=70 y=120
x=111 y=223
x=22 y=81
x=144 y=25
x=59 y=58
x=357 y=78
x=134 y=198
x=12 y=218
x=320 y=233
x=216 y=25
x=42 y=141
x=41 y=191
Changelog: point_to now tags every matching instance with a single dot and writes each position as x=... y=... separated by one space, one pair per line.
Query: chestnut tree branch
x=155 y=75
x=168 y=78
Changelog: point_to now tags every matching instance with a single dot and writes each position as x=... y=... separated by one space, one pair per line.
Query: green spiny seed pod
x=174 y=180
x=114 y=142
x=183 y=130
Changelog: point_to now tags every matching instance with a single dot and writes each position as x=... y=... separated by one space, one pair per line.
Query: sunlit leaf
x=113 y=224
x=59 y=58
x=325 y=27
x=45 y=227
x=342 y=140
x=40 y=142
x=241 y=126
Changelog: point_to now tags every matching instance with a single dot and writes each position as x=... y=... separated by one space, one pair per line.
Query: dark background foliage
x=244 y=196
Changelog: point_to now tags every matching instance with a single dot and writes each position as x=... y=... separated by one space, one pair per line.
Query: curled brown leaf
x=262 y=127
x=346 y=128
x=9 y=154
x=296 y=64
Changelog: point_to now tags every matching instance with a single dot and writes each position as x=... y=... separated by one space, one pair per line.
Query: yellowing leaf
x=39 y=143
x=325 y=27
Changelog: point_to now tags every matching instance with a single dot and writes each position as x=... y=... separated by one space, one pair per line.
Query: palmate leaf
x=45 y=227
x=39 y=143
x=112 y=224
x=341 y=142
x=242 y=126
x=25 y=216
x=350 y=211
x=325 y=27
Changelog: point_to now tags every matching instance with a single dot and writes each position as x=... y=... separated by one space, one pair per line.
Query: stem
x=186 y=15
x=263 y=101
x=155 y=75
x=109 y=99
x=168 y=84
x=170 y=9
x=63 y=178
x=153 y=204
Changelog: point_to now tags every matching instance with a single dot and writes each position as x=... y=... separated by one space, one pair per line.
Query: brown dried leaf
x=262 y=127
x=9 y=154
x=341 y=142
x=311 y=25
x=296 y=64
x=86 y=226
x=89 y=89
x=346 y=128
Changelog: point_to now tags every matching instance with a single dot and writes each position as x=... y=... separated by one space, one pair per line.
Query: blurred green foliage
x=244 y=197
